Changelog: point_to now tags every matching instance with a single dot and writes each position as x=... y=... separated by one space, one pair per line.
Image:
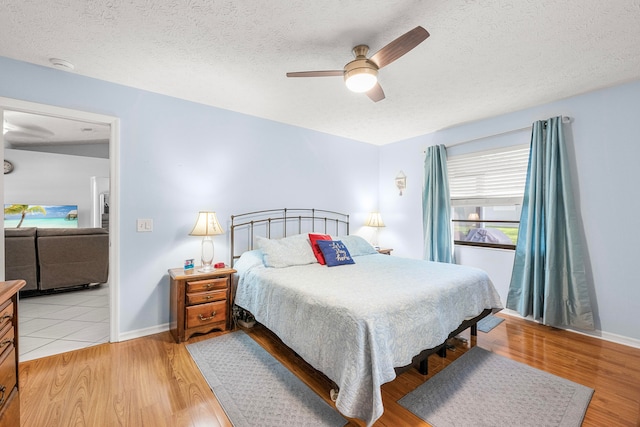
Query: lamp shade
x=374 y=220
x=206 y=225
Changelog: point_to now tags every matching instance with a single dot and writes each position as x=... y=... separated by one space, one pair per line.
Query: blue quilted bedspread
x=356 y=322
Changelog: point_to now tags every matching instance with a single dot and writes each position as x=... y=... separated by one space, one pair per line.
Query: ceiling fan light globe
x=361 y=80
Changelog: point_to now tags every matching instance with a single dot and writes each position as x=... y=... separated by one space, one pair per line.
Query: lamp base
x=207 y=255
x=206 y=269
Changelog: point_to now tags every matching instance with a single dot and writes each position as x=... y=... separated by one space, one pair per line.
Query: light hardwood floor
x=153 y=381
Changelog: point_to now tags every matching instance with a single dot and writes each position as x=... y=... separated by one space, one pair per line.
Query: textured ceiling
x=484 y=57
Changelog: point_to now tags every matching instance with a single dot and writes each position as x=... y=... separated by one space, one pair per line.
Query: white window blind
x=489 y=178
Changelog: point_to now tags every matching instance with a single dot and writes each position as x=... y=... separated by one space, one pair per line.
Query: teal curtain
x=548 y=280
x=436 y=206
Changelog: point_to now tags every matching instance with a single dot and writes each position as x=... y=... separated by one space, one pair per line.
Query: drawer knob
x=6 y=342
x=209 y=297
x=204 y=319
x=5 y=317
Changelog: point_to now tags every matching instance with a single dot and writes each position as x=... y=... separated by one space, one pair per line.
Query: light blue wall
x=604 y=145
x=178 y=157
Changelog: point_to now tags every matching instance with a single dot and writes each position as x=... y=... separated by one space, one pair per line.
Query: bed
x=357 y=322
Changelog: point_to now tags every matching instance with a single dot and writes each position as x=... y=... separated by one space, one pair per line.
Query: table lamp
x=207 y=225
x=374 y=220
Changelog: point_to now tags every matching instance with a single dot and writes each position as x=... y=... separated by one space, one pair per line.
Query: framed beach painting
x=42 y=216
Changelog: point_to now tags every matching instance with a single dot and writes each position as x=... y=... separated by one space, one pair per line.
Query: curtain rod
x=489 y=136
x=565 y=119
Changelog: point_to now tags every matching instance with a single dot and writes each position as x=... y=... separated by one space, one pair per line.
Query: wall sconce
x=401 y=181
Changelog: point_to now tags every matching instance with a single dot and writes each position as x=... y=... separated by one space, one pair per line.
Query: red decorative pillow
x=316 y=249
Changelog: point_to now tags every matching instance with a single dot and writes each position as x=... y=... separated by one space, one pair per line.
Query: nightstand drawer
x=202 y=297
x=8 y=378
x=7 y=339
x=207 y=285
x=204 y=314
x=6 y=315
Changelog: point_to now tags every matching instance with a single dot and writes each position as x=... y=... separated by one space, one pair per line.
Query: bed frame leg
x=442 y=351
x=474 y=330
x=424 y=366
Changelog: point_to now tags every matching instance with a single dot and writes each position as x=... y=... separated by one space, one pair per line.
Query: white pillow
x=293 y=250
x=249 y=259
x=357 y=246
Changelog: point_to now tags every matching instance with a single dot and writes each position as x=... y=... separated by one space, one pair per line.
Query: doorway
x=87 y=122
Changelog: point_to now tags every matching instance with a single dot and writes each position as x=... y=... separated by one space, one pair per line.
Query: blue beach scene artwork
x=42 y=216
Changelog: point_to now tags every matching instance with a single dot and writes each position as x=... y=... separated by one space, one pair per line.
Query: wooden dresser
x=200 y=302
x=9 y=399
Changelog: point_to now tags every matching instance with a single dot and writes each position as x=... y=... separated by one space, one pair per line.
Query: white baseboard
x=139 y=333
x=606 y=336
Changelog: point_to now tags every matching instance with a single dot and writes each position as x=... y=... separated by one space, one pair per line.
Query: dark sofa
x=56 y=258
x=20 y=260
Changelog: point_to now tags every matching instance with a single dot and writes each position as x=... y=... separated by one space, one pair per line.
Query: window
x=486 y=196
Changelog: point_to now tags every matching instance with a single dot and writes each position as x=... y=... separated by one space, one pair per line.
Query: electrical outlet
x=144 y=225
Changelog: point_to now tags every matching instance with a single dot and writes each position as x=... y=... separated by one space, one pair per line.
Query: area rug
x=484 y=389
x=255 y=389
x=488 y=323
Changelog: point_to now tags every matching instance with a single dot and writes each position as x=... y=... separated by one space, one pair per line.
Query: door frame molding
x=114 y=190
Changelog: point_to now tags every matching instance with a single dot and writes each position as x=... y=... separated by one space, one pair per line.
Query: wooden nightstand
x=200 y=302
x=384 y=251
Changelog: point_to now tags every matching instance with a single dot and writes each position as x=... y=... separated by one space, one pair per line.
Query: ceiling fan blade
x=329 y=73
x=399 y=47
x=376 y=93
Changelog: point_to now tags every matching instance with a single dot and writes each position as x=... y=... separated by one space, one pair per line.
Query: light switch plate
x=144 y=225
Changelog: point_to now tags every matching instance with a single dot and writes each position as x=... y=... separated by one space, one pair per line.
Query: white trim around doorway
x=114 y=190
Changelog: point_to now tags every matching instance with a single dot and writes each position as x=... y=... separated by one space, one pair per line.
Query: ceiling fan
x=16 y=133
x=361 y=74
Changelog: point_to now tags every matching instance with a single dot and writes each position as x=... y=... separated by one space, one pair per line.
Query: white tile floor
x=52 y=324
